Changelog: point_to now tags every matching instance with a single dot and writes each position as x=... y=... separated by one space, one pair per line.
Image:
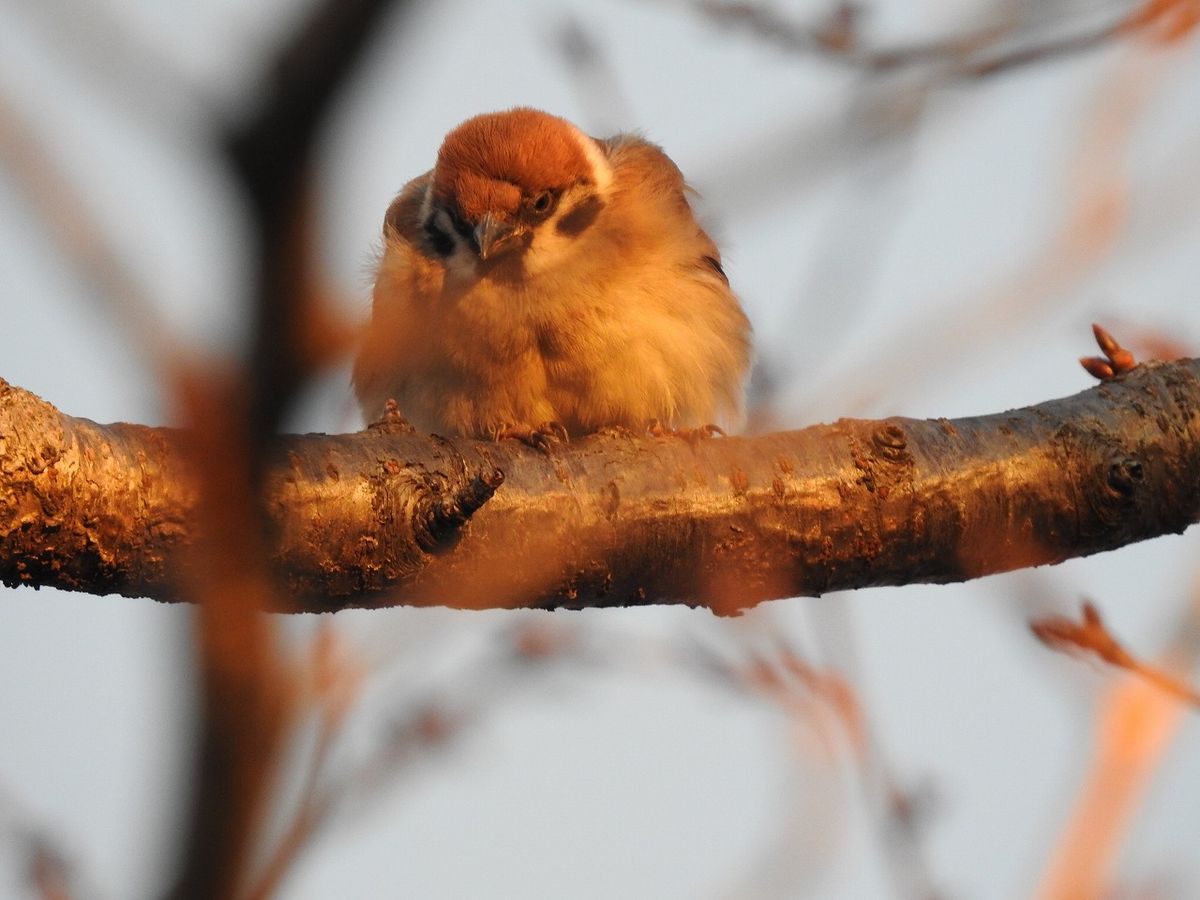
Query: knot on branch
x=447 y=504
x=1108 y=473
x=1124 y=476
x=880 y=454
x=362 y=513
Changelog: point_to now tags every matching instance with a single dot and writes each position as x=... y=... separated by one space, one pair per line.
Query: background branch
x=246 y=697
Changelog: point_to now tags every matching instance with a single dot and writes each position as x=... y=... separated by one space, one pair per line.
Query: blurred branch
x=1090 y=225
x=95 y=38
x=337 y=686
x=883 y=121
x=49 y=873
x=1136 y=723
x=978 y=53
x=246 y=693
x=1089 y=637
x=64 y=213
x=592 y=74
x=368 y=519
x=270 y=153
x=422 y=726
x=512 y=658
x=245 y=690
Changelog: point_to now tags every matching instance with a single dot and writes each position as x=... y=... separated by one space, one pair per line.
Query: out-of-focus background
x=923 y=206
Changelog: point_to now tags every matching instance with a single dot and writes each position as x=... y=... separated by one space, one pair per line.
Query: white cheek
x=427 y=202
x=601 y=168
x=548 y=249
x=461 y=264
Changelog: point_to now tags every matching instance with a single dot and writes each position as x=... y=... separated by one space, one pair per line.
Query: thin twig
x=48 y=869
x=438 y=717
x=1136 y=723
x=978 y=53
x=65 y=214
x=135 y=72
x=336 y=686
x=596 y=81
x=1089 y=637
x=1088 y=229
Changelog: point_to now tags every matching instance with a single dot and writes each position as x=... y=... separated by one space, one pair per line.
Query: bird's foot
x=544 y=437
x=691 y=435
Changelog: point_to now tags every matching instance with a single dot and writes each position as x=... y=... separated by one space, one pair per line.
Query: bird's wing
x=403 y=217
x=645 y=164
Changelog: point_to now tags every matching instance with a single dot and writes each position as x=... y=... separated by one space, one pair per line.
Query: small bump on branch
x=1116 y=361
x=440 y=526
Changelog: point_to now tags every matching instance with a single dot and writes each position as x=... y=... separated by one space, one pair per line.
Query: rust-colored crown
x=488 y=162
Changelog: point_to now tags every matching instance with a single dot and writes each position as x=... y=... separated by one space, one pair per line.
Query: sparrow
x=538 y=281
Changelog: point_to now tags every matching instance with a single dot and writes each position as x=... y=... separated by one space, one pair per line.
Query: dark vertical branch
x=244 y=686
x=271 y=155
x=244 y=692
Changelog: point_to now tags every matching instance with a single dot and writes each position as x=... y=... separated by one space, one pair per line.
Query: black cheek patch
x=441 y=242
x=580 y=218
x=465 y=231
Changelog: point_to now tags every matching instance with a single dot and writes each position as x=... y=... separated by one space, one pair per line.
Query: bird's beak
x=491 y=234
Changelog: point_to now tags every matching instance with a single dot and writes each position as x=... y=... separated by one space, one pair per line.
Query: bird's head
x=510 y=181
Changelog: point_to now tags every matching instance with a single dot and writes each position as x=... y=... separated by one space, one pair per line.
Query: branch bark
x=385 y=517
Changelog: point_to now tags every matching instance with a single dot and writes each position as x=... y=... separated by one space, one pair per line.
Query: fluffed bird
x=540 y=280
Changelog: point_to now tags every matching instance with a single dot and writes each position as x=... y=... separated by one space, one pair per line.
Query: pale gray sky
x=887 y=270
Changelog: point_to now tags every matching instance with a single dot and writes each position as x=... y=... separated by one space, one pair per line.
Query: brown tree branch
x=385 y=517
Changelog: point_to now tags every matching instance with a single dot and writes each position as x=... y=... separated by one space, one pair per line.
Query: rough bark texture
x=384 y=517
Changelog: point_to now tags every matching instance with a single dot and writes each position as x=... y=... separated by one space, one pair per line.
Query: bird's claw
x=544 y=437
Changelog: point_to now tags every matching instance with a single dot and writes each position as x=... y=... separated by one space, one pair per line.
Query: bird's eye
x=541 y=203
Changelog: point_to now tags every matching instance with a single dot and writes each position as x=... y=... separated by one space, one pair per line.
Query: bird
x=541 y=284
